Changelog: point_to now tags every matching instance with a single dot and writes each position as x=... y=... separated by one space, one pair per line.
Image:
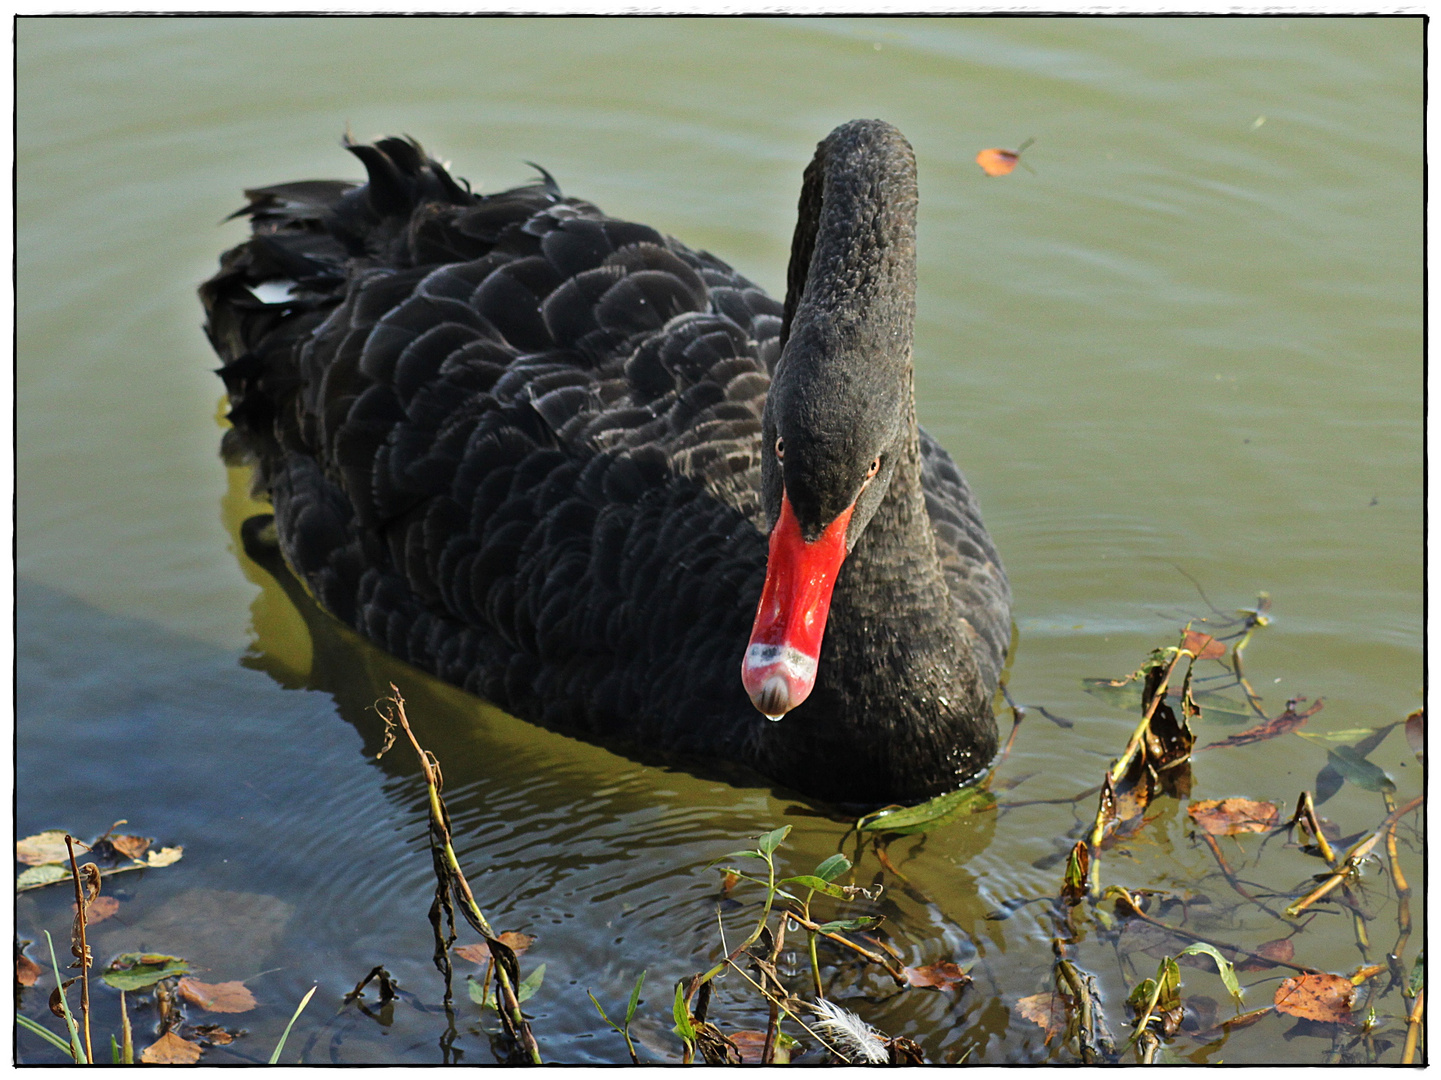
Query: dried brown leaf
x=1228 y=817
x=226 y=997
x=476 y=954
x=1203 y=645
x=26 y=970
x=1047 y=1009
x=751 y=1044
x=212 y=1034
x=1416 y=732
x=1317 y=996
x=132 y=847
x=943 y=975
x=1287 y=722
x=171 y=1049
x=1280 y=951
x=99 y=909
x=517 y=941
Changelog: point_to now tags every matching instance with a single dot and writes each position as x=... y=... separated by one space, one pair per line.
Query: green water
x=1183 y=342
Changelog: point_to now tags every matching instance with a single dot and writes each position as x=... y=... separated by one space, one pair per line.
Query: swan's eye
x=875 y=468
x=780 y=449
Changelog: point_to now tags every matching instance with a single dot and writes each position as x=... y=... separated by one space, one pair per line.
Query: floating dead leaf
x=163 y=857
x=1204 y=646
x=516 y=941
x=1317 y=996
x=998 y=162
x=129 y=847
x=26 y=970
x=213 y=1034
x=943 y=975
x=476 y=954
x=46 y=847
x=1280 y=951
x=1228 y=817
x=99 y=909
x=752 y=1045
x=1287 y=722
x=171 y=1049
x=1047 y=1009
x=226 y=997
x=728 y=882
x=1416 y=732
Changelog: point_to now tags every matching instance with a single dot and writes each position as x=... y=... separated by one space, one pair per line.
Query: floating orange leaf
x=1047 y=1009
x=997 y=162
x=1227 y=817
x=1288 y=721
x=1317 y=996
x=26 y=970
x=226 y=997
x=170 y=1049
x=940 y=976
x=1204 y=645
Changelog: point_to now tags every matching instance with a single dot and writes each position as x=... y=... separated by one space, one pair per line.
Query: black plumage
x=527 y=447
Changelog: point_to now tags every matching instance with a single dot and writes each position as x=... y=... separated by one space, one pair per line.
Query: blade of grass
x=76 y=1050
x=275 y=1056
x=44 y=1032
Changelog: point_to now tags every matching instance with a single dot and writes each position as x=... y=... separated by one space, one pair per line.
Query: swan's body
x=528 y=448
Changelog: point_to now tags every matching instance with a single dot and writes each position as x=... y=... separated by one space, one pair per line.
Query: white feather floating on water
x=850 y=1036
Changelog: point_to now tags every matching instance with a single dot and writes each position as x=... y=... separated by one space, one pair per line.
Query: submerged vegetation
x=808 y=967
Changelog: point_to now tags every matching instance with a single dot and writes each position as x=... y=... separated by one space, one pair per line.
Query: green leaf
x=45 y=874
x=1355 y=768
x=735 y=855
x=909 y=820
x=1121 y=694
x=136 y=971
x=1168 y=978
x=1141 y=996
x=530 y=984
x=634 y=999
x=1218 y=707
x=683 y=1027
x=772 y=840
x=833 y=868
x=1224 y=966
x=810 y=881
x=865 y=922
x=1418 y=975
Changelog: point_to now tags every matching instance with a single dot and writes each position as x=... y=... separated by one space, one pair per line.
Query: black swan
x=599 y=478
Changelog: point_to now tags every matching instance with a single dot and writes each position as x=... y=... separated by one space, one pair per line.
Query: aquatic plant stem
x=440 y=832
x=1353 y=857
x=83 y=948
x=1413 y=1028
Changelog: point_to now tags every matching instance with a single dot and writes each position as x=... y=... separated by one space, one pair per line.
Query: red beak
x=779 y=669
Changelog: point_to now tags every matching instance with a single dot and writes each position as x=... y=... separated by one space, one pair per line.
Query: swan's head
x=841 y=401
x=833 y=435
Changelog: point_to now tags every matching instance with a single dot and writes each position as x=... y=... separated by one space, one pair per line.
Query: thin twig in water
x=79 y=946
x=516 y=1023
